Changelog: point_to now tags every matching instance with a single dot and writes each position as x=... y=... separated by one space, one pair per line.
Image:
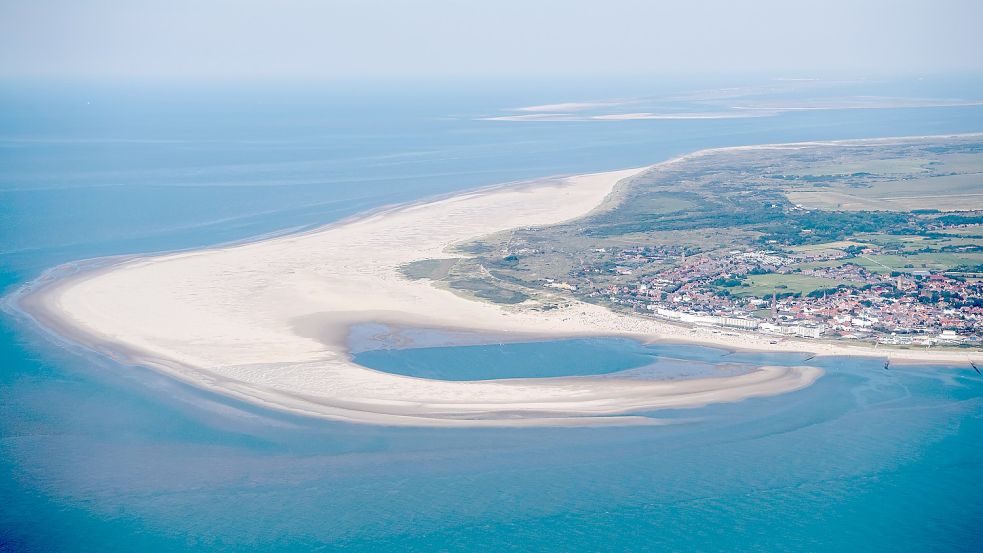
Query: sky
x=343 y=39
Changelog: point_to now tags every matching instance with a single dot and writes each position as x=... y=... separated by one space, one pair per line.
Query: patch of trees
x=820 y=292
x=960 y=219
x=828 y=226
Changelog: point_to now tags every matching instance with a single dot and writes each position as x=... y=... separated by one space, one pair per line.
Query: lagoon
x=614 y=357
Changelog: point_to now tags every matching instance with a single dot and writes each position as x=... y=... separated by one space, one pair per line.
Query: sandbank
x=267 y=321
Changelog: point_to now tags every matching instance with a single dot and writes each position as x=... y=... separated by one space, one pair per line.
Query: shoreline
x=266 y=321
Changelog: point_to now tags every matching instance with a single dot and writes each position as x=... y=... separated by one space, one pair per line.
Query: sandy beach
x=267 y=321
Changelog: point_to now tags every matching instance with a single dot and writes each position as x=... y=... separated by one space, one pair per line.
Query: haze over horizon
x=343 y=39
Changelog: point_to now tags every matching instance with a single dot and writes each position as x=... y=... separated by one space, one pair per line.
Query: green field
x=975 y=231
x=893 y=166
x=827 y=246
x=950 y=182
x=885 y=263
x=916 y=262
x=434 y=269
x=765 y=285
x=488 y=289
x=914 y=243
x=930 y=195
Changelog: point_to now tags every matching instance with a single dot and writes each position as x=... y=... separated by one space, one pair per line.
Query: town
x=823 y=243
x=815 y=294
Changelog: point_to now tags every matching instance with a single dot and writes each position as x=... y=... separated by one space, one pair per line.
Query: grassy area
x=434 y=269
x=893 y=166
x=917 y=262
x=832 y=199
x=826 y=246
x=663 y=203
x=950 y=182
x=974 y=231
x=913 y=244
x=765 y=285
x=930 y=196
x=486 y=289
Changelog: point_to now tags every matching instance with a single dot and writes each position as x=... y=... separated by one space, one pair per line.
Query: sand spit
x=267 y=321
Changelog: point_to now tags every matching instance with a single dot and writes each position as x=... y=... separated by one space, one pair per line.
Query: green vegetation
x=487 y=290
x=839 y=245
x=961 y=219
x=886 y=263
x=433 y=269
x=887 y=207
x=463 y=275
x=796 y=284
x=810 y=227
x=973 y=231
x=922 y=184
x=863 y=168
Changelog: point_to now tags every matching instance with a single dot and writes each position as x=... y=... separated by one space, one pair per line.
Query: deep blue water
x=99 y=457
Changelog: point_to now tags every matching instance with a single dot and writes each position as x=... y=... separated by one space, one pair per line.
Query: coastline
x=266 y=321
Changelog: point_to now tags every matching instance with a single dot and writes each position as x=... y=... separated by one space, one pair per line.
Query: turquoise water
x=99 y=457
x=614 y=357
x=515 y=360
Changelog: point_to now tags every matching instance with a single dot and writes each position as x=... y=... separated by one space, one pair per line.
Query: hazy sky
x=371 y=38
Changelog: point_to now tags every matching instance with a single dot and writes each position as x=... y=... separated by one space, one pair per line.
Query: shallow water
x=613 y=357
x=96 y=456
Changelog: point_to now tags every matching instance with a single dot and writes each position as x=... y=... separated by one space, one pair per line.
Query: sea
x=96 y=456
